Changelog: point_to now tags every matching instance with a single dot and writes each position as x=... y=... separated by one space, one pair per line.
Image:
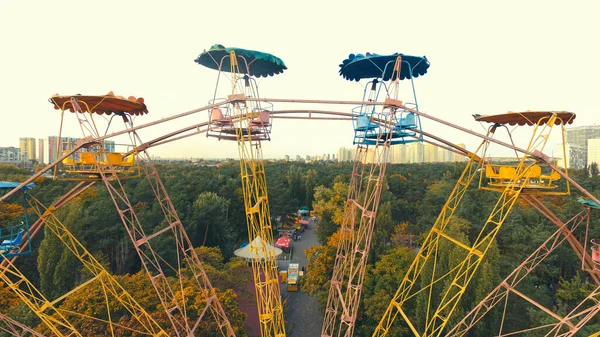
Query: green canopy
x=260 y=64
x=588 y=203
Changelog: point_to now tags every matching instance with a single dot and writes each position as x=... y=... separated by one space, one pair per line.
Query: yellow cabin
x=534 y=175
x=96 y=157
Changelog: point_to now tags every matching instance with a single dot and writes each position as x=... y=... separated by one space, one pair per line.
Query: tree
x=448 y=256
x=295 y=186
x=594 y=169
x=58 y=267
x=311 y=182
x=381 y=282
x=8 y=212
x=321 y=260
x=329 y=207
x=384 y=225
x=8 y=298
x=210 y=221
x=401 y=237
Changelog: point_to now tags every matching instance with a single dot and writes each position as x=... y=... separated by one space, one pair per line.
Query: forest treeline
x=210 y=204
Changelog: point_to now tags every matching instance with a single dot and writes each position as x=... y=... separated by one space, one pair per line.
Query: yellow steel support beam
x=258 y=215
x=436 y=320
x=109 y=284
x=430 y=245
x=35 y=300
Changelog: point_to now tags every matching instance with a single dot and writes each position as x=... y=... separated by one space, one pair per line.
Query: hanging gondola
x=537 y=178
x=12 y=237
x=248 y=64
x=86 y=163
x=369 y=121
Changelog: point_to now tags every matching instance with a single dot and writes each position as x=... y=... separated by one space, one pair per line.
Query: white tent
x=256 y=250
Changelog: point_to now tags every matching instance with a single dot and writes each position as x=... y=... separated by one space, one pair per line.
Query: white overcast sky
x=486 y=58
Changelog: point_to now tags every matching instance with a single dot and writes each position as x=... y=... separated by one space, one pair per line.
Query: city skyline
x=581 y=149
x=34 y=149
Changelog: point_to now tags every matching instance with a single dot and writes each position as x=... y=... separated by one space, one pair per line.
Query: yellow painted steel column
x=258 y=216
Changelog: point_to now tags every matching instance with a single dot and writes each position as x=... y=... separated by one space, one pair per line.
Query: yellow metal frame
x=51 y=315
x=256 y=201
x=438 y=314
x=35 y=300
x=86 y=169
x=537 y=183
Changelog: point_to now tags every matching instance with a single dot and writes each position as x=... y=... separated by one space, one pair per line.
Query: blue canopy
x=359 y=66
x=8 y=185
x=260 y=64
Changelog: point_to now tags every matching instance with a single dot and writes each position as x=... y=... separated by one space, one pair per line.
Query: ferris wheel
x=379 y=120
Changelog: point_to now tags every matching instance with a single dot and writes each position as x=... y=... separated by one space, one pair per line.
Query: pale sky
x=486 y=58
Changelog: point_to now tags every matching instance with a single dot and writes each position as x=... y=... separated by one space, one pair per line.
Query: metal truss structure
x=14 y=328
x=256 y=203
x=362 y=207
x=153 y=263
x=362 y=203
x=354 y=243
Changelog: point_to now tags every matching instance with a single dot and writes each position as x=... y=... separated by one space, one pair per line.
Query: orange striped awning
x=106 y=104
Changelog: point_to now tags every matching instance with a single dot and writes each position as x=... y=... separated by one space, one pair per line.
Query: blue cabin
x=13 y=241
x=372 y=122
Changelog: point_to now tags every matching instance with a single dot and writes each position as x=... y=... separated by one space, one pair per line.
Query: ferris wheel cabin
x=233 y=117
x=13 y=236
x=535 y=176
x=91 y=160
x=374 y=124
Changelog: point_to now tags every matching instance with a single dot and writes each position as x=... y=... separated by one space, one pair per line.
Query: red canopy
x=283 y=242
x=304 y=222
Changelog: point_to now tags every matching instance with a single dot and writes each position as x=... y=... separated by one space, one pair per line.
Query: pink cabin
x=263 y=119
x=217 y=118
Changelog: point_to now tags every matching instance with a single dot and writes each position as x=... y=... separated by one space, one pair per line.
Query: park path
x=303 y=315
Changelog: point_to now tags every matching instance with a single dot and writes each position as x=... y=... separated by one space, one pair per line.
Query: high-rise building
x=416 y=152
x=398 y=154
x=460 y=157
x=577 y=144
x=345 y=154
x=109 y=146
x=341 y=152
x=431 y=153
x=593 y=153
x=10 y=154
x=40 y=151
x=287 y=157
x=66 y=143
x=562 y=155
x=52 y=147
x=369 y=158
x=436 y=154
x=27 y=147
x=447 y=156
x=576 y=156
